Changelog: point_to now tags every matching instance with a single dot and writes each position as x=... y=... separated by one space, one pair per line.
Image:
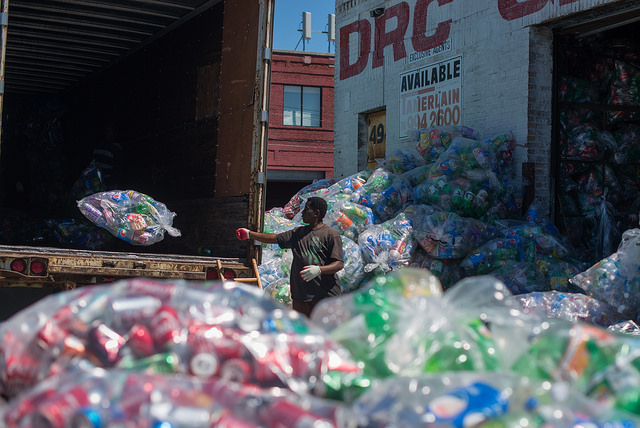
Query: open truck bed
x=183 y=86
x=64 y=268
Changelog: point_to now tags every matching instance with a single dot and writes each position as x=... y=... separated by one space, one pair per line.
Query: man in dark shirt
x=317 y=256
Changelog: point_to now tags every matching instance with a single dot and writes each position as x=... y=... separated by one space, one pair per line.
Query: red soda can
x=266 y=369
x=67 y=319
x=162 y=290
x=228 y=420
x=236 y=370
x=302 y=362
x=50 y=335
x=166 y=326
x=230 y=394
x=56 y=412
x=16 y=413
x=284 y=414
x=131 y=310
x=204 y=364
x=136 y=393
x=244 y=400
x=20 y=367
x=105 y=344
x=224 y=342
x=20 y=371
x=140 y=341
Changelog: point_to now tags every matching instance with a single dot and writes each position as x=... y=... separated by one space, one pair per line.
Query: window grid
x=301 y=106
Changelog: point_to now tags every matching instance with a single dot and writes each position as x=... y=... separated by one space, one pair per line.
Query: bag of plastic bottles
x=570 y=307
x=448 y=271
x=481 y=399
x=625 y=86
x=502 y=147
x=79 y=234
x=417 y=175
x=433 y=142
x=369 y=193
x=274 y=272
x=375 y=243
x=365 y=320
x=280 y=290
x=293 y=206
x=446 y=235
x=598 y=363
x=628 y=144
x=521 y=277
x=353 y=272
x=349 y=184
x=128 y=215
x=616 y=279
x=89 y=182
x=275 y=221
x=348 y=218
x=438 y=191
x=587 y=142
x=462 y=156
x=388 y=245
x=491 y=255
x=402 y=160
x=393 y=199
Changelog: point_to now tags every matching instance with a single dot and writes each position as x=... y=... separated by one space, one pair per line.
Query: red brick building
x=300 y=123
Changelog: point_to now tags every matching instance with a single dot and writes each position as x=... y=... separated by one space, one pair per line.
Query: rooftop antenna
x=331 y=30
x=306 y=30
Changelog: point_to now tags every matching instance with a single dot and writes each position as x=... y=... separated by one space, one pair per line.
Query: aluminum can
x=57 y=411
x=166 y=326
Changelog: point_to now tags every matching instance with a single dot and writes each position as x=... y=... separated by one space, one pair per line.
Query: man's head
x=318 y=206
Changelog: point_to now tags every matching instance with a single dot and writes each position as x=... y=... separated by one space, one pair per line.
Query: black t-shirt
x=321 y=246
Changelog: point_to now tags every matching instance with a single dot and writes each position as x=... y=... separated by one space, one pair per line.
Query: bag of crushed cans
x=208 y=330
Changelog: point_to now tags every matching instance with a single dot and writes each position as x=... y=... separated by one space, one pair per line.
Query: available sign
x=431 y=96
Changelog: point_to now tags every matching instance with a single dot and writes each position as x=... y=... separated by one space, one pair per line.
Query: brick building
x=300 y=123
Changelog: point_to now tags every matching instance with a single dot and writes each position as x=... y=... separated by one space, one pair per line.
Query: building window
x=301 y=106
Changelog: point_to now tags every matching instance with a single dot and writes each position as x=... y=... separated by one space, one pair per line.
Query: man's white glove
x=310 y=272
x=242 y=234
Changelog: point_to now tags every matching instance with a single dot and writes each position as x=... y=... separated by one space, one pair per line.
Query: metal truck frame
x=204 y=67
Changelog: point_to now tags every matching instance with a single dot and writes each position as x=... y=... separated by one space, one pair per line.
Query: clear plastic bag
x=292 y=207
x=616 y=279
x=351 y=276
x=402 y=160
x=446 y=235
x=129 y=215
x=433 y=142
x=165 y=327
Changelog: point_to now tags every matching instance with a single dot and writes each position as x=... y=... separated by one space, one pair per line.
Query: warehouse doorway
x=596 y=131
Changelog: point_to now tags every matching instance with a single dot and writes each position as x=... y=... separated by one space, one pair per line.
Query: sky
x=288 y=20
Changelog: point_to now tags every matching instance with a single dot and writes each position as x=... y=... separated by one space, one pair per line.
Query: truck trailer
x=180 y=87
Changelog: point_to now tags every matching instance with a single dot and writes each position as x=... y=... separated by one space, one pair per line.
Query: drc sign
x=407 y=30
x=431 y=96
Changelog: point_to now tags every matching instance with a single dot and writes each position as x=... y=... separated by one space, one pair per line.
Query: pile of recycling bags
x=399 y=351
x=450 y=202
x=457 y=312
x=598 y=189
